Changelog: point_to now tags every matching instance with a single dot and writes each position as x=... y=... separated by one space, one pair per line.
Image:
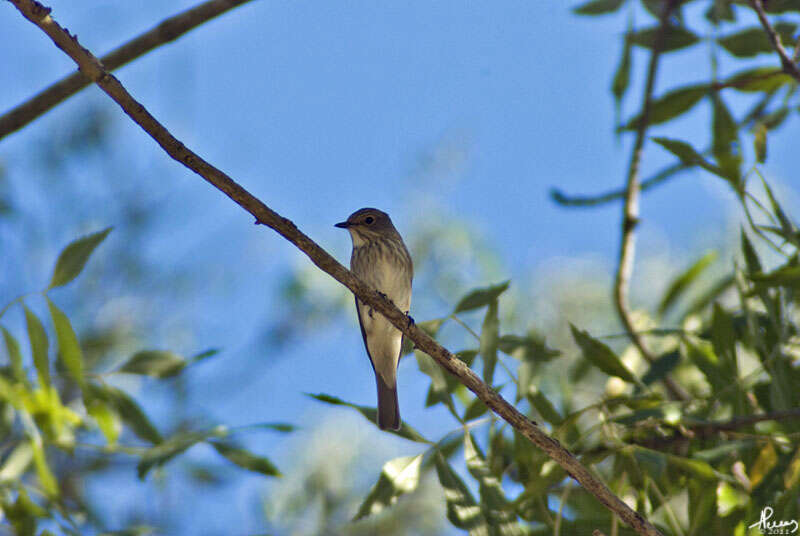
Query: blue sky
x=320 y=108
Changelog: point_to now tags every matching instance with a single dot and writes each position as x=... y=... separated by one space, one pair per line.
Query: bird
x=380 y=258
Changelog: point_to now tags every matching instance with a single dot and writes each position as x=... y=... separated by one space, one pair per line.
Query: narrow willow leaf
x=68 y=347
x=439 y=391
x=406 y=431
x=462 y=510
x=707 y=297
x=480 y=297
x=107 y=420
x=169 y=448
x=601 y=356
x=531 y=347
x=500 y=517
x=670 y=106
x=489 y=342
x=703 y=356
x=785 y=276
x=725 y=146
x=546 y=409
x=787 y=226
x=689 y=156
x=128 y=410
x=475 y=409
x=598 y=7
x=661 y=367
x=245 y=459
x=720 y=10
x=44 y=474
x=73 y=258
x=14 y=356
x=155 y=363
x=752 y=41
x=39 y=345
x=750 y=256
x=684 y=281
x=760 y=143
x=17 y=462
x=674 y=38
x=622 y=76
x=398 y=476
x=758 y=80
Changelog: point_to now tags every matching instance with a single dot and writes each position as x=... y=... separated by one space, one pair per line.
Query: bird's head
x=368 y=224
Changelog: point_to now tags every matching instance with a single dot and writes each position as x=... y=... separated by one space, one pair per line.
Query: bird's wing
x=364 y=336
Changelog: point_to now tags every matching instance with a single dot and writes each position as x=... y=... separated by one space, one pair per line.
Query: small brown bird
x=381 y=260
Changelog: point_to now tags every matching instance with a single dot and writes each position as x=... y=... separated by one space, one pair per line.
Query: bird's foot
x=410 y=319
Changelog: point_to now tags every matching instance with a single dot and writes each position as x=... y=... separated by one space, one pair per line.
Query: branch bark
x=166 y=31
x=94 y=69
x=788 y=64
x=630 y=214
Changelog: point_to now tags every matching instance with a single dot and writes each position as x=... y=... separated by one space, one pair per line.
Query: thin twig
x=582 y=201
x=91 y=67
x=630 y=215
x=789 y=66
x=166 y=31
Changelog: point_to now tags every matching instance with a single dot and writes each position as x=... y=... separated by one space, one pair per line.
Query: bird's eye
x=368 y=220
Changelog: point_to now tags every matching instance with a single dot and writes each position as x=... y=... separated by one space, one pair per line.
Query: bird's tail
x=388 y=408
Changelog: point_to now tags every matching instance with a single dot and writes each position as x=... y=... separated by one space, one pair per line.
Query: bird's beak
x=343 y=225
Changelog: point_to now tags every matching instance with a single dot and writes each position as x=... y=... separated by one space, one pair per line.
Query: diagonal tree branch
x=630 y=214
x=92 y=68
x=166 y=31
x=789 y=66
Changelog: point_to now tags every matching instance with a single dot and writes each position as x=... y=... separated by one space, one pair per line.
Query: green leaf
x=688 y=155
x=785 y=276
x=661 y=367
x=245 y=459
x=752 y=41
x=725 y=146
x=545 y=408
x=440 y=389
x=480 y=297
x=282 y=427
x=750 y=256
x=531 y=347
x=674 y=38
x=462 y=510
x=73 y=258
x=489 y=342
x=399 y=476
x=39 y=344
x=14 y=356
x=787 y=226
x=703 y=356
x=128 y=410
x=622 y=76
x=107 y=420
x=684 y=280
x=758 y=80
x=500 y=517
x=169 y=448
x=760 y=143
x=601 y=355
x=68 y=347
x=46 y=479
x=475 y=409
x=598 y=7
x=155 y=363
x=720 y=10
x=405 y=431
x=670 y=106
